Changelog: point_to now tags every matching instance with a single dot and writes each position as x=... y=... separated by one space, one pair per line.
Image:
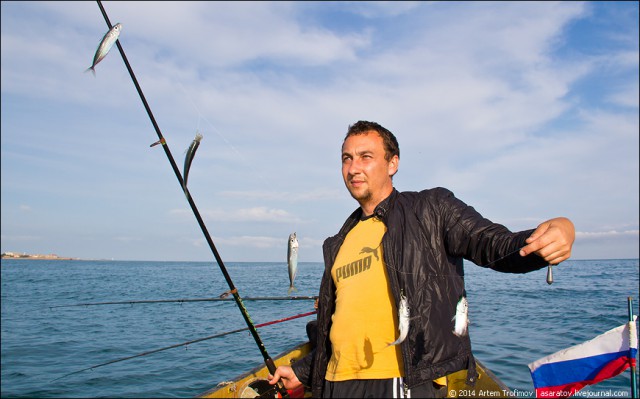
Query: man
x=398 y=250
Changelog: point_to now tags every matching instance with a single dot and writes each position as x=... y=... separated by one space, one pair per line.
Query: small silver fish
x=292 y=260
x=191 y=152
x=461 y=318
x=105 y=45
x=403 y=320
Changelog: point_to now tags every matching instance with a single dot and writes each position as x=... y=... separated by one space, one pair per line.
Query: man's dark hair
x=391 y=147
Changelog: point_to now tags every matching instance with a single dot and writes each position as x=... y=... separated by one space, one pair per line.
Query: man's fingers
x=552 y=253
x=535 y=245
x=273 y=379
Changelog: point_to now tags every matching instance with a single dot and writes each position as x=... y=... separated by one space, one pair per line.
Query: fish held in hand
x=105 y=45
x=403 y=320
x=461 y=318
x=292 y=260
x=191 y=152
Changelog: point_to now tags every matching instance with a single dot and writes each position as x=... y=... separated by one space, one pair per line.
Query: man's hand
x=288 y=377
x=552 y=240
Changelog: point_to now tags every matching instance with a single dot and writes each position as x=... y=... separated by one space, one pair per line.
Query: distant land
x=15 y=255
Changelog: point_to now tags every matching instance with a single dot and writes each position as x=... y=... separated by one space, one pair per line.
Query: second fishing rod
x=232 y=289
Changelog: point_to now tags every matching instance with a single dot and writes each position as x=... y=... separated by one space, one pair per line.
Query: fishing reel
x=262 y=389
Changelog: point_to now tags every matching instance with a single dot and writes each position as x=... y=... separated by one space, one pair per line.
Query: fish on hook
x=191 y=152
x=403 y=320
x=461 y=318
x=292 y=260
x=105 y=45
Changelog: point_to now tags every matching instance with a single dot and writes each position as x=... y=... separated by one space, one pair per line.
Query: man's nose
x=355 y=167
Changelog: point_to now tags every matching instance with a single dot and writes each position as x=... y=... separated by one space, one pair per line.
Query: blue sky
x=525 y=110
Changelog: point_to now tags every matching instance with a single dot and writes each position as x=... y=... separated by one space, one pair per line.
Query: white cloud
x=382 y=9
x=285 y=196
x=626 y=96
x=209 y=34
x=255 y=214
x=266 y=242
x=596 y=235
x=259 y=242
x=7 y=238
x=501 y=102
x=127 y=239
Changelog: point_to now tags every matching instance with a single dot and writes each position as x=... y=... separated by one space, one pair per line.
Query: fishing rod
x=188 y=343
x=232 y=289
x=264 y=298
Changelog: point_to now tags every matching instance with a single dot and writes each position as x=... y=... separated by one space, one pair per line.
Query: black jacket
x=428 y=235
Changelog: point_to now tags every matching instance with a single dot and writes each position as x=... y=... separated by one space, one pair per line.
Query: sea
x=515 y=319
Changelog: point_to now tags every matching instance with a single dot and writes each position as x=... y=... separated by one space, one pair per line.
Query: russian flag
x=564 y=373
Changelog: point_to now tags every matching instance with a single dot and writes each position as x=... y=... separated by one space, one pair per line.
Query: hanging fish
x=403 y=320
x=462 y=317
x=105 y=45
x=191 y=152
x=292 y=260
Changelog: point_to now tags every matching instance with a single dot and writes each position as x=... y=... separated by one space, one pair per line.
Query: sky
x=524 y=110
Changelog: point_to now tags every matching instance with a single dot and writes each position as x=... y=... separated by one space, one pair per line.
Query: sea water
x=514 y=320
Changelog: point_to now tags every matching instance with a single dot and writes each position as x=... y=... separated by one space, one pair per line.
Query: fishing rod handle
x=271 y=366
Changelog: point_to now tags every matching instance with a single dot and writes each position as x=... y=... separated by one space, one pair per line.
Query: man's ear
x=393 y=165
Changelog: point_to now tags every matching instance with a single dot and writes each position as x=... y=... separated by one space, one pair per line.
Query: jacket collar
x=380 y=212
x=383 y=207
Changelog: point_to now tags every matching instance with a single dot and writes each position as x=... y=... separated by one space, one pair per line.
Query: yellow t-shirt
x=365 y=320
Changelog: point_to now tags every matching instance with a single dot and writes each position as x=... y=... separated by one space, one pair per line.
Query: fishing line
x=392 y=267
x=245 y=314
x=292 y=221
x=223 y=137
x=187 y=300
x=549 y=270
x=549 y=267
x=269 y=323
x=504 y=257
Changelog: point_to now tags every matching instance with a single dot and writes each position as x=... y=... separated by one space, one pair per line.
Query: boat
x=253 y=383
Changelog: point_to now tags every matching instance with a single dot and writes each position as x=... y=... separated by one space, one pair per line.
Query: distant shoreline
x=13 y=255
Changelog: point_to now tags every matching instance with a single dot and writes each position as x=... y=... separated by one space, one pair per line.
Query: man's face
x=366 y=173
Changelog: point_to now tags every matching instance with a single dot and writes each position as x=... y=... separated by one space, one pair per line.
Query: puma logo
x=353 y=268
x=367 y=250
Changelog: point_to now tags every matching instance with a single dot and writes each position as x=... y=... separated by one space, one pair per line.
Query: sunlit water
x=515 y=319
